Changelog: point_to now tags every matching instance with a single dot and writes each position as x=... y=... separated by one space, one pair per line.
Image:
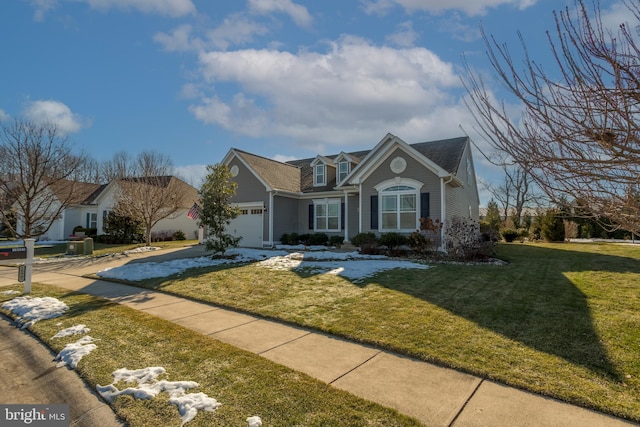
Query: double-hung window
x=326 y=214
x=320 y=174
x=343 y=171
x=399 y=208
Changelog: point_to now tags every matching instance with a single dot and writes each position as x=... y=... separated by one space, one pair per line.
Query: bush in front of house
x=123 y=229
x=464 y=241
x=291 y=239
x=419 y=242
x=336 y=241
x=393 y=241
x=367 y=242
x=179 y=235
x=318 y=239
x=509 y=234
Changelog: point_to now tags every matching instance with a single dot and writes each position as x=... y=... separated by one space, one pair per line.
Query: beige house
x=385 y=189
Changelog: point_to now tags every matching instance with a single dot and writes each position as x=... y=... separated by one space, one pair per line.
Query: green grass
x=562 y=320
x=244 y=383
x=60 y=249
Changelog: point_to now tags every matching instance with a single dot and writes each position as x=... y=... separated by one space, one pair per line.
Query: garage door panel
x=248 y=226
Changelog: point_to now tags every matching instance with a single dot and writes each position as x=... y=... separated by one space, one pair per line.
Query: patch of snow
x=30 y=310
x=10 y=292
x=72 y=353
x=142 y=249
x=351 y=265
x=73 y=330
x=189 y=404
x=254 y=421
x=148 y=387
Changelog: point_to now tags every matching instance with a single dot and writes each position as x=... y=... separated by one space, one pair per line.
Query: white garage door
x=248 y=225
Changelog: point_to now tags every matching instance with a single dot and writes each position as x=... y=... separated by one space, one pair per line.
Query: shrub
x=336 y=241
x=284 y=239
x=464 y=240
x=509 y=234
x=304 y=239
x=318 y=239
x=179 y=235
x=367 y=242
x=552 y=227
x=419 y=242
x=523 y=233
x=393 y=241
x=122 y=229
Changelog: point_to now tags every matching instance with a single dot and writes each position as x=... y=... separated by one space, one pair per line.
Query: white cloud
x=471 y=8
x=178 y=40
x=172 y=8
x=236 y=29
x=299 y=14
x=353 y=92
x=42 y=7
x=405 y=36
x=3 y=115
x=191 y=174
x=50 y=111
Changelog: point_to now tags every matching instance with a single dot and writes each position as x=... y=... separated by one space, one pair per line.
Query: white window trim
x=343 y=162
x=326 y=203
x=397 y=181
x=316 y=181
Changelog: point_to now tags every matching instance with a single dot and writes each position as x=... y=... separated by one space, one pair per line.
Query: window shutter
x=311 y=216
x=88 y=220
x=342 y=215
x=424 y=205
x=374 y=212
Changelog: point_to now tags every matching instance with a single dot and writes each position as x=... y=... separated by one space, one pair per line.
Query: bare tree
x=578 y=134
x=150 y=193
x=516 y=192
x=36 y=171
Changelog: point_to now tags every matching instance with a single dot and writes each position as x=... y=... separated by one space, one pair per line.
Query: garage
x=248 y=225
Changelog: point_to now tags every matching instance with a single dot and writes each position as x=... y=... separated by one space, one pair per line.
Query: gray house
x=385 y=189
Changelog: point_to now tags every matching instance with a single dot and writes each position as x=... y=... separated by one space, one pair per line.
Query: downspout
x=359 y=208
x=346 y=217
x=443 y=211
x=272 y=194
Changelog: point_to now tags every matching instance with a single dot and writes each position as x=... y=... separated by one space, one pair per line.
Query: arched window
x=398 y=207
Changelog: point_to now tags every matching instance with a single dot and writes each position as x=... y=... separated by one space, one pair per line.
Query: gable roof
x=82 y=193
x=296 y=176
x=274 y=174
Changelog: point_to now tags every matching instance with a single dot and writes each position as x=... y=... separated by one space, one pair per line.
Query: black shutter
x=342 y=215
x=424 y=205
x=374 y=212
x=311 y=216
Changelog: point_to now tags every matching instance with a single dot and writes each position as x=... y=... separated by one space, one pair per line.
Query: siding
x=286 y=218
x=250 y=189
x=414 y=170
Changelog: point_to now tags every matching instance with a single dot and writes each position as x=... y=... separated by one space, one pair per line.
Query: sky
x=284 y=79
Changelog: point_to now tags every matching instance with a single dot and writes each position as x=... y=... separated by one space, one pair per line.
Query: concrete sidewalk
x=434 y=395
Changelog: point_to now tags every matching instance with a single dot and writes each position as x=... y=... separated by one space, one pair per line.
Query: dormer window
x=344 y=168
x=319 y=174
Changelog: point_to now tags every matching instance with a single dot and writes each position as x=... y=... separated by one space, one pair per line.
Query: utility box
x=75 y=248
x=87 y=246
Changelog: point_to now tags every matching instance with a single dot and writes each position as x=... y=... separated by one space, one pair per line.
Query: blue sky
x=281 y=78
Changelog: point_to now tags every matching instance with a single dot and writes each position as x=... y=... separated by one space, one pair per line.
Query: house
x=90 y=204
x=385 y=189
x=179 y=221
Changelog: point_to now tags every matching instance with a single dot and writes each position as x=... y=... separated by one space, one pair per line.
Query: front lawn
x=245 y=384
x=560 y=319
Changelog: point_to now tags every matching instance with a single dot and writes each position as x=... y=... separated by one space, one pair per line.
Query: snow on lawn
x=30 y=310
x=149 y=387
x=73 y=330
x=71 y=354
x=351 y=265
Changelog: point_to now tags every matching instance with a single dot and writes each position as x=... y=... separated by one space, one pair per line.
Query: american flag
x=194 y=212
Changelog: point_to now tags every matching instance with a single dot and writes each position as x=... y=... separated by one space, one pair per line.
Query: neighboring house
x=385 y=189
x=106 y=201
x=92 y=202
